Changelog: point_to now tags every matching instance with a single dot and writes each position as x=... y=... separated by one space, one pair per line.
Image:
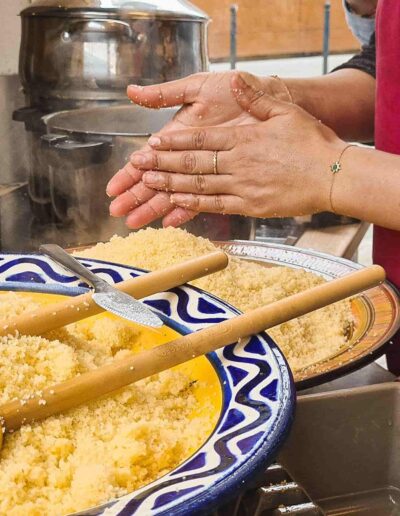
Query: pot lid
x=109 y=121
x=171 y=9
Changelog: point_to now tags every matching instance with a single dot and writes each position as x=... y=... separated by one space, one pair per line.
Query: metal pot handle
x=101 y=26
x=31 y=117
x=61 y=147
x=24 y=114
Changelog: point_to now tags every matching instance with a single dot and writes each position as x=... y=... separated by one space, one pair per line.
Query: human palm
x=207 y=99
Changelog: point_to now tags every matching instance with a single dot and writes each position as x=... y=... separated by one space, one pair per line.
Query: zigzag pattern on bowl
x=258 y=394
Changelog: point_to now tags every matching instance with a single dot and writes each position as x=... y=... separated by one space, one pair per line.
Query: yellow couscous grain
x=98 y=451
x=116 y=444
x=243 y=284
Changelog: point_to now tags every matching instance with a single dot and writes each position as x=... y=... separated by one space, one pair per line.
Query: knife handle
x=73 y=309
x=57 y=253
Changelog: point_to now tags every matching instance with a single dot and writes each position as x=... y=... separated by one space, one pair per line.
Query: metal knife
x=105 y=295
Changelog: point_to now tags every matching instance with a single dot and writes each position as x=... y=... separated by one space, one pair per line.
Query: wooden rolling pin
x=74 y=309
x=109 y=378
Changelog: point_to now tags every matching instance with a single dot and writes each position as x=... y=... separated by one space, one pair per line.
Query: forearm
x=368 y=187
x=343 y=100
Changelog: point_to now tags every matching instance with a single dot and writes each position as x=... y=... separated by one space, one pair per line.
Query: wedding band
x=215 y=162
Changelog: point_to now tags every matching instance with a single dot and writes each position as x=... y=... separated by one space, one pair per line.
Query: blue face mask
x=362 y=28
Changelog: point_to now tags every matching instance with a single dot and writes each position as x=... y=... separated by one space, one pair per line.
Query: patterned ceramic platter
x=376 y=312
x=256 y=385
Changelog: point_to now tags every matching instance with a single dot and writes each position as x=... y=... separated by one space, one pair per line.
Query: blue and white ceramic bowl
x=257 y=387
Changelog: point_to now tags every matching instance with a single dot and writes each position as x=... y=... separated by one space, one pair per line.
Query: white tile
x=364 y=255
x=288 y=67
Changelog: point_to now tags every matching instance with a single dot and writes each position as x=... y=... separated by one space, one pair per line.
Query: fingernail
x=138 y=159
x=132 y=224
x=154 y=141
x=136 y=86
x=111 y=209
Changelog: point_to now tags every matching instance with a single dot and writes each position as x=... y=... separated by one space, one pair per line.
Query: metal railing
x=327 y=30
x=325 y=44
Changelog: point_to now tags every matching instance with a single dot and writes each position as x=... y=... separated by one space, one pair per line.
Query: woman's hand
x=207 y=100
x=276 y=168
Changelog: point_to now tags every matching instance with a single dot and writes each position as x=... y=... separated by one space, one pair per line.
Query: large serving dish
x=376 y=312
x=255 y=384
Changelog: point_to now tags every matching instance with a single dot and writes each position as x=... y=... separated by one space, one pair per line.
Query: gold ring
x=215 y=162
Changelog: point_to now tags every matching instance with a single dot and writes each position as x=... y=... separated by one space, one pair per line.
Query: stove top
x=274 y=494
x=284 y=234
x=289 y=230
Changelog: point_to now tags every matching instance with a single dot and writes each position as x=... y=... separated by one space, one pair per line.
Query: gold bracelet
x=285 y=87
x=335 y=168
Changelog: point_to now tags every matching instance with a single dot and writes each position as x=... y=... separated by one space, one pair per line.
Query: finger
x=123 y=179
x=187 y=162
x=177 y=217
x=168 y=94
x=154 y=209
x=200 y=184
x=256 y=101
x=132 y=198
x=210 y=203
x=207 y=138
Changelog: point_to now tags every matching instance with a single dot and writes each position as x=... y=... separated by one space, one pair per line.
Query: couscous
x=101 y=450
x=116 y=444
x=243 y=284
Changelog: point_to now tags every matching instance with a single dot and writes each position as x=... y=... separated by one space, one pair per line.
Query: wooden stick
x=74 y=309
x=109 y=378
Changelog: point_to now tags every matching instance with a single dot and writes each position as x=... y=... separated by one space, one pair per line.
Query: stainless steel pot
x=75 y=51
x=85 y=148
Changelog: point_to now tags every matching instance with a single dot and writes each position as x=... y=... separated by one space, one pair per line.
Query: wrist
x=347 y=181
x=324 y=187
x=308 y=94
x=296 y=91
x=277 y=88
x=284 y=90
x=341 y=182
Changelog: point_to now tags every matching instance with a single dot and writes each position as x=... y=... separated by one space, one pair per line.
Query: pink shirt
x=387 y=138
x=387 y=120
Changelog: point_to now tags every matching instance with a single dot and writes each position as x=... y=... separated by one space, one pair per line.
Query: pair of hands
x=273 y=157
x=207 y=100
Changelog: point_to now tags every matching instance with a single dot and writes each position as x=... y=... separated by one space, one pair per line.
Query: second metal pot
x=86 y=147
